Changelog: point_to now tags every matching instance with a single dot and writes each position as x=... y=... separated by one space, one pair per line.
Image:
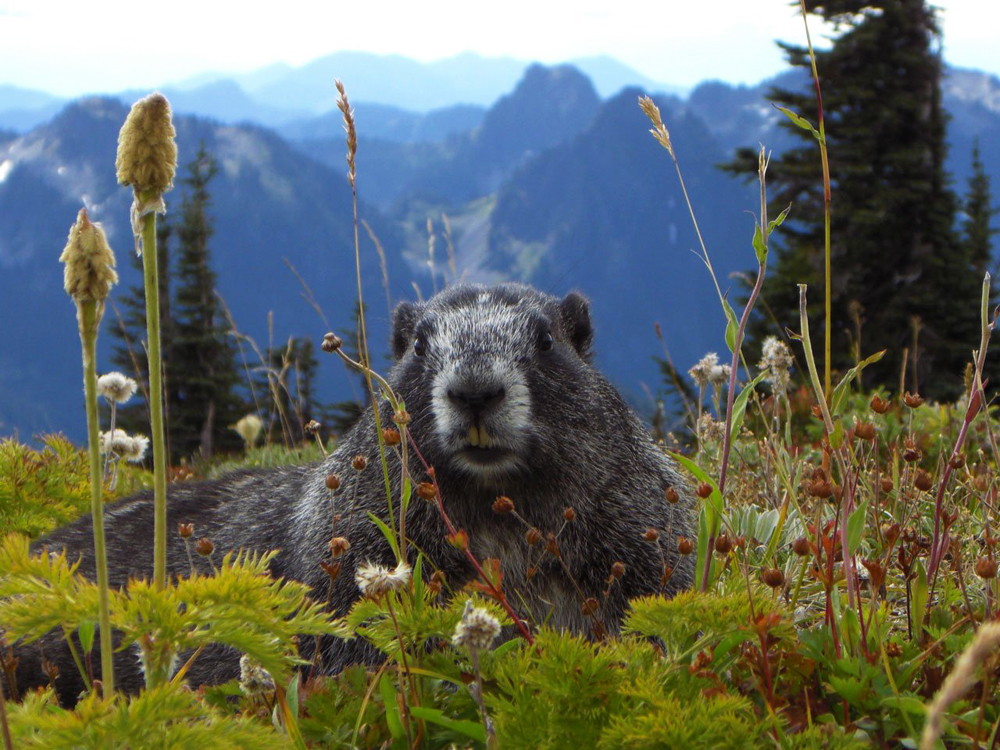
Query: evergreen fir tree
x=203 y=361
x=979 y=211
x=895 y=252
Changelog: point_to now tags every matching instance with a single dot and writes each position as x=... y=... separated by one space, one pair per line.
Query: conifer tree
x=203 y=362
x=977 y=232
x=291 y=375
x=896 y=258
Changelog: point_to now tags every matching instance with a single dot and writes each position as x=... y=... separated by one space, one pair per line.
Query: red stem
x=494 y=591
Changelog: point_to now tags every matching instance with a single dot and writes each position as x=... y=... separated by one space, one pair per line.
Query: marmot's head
x=492 y=376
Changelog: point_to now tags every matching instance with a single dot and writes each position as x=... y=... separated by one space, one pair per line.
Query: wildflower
x=147 y=153
x=776 y=360
x=374 y=580
x=719 y=375
x=701 y=373
x=112 y=442
x=477 y=628
x=115 y=387
x=135 y=448
x=254 y=679
x=90 y=264
x=503 y=505
x=359 y=462
x=710 y=429
x=249 y=428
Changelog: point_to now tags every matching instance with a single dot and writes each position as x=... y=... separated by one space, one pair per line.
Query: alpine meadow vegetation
x=846 y=594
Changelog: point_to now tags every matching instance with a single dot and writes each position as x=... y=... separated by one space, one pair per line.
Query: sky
x=69 y=47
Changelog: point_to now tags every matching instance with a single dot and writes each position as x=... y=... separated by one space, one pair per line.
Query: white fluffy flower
x=477 y=628
x=776 y=359
x=254 y=679
x=374 y=580
x=701 y=373
x=115 y=387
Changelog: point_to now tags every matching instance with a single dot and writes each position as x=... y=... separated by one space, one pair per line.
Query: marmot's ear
x=404 y=320
x=575 y=312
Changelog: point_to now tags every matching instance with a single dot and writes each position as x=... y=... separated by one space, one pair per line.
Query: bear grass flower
x=147 y=152
x=90 y=264
x=249 y=428
x=116 y=388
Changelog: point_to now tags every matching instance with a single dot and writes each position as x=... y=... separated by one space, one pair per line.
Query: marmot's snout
x=477 y=400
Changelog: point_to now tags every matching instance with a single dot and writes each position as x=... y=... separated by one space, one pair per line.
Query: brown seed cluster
x=331 y=343
x=503 y=505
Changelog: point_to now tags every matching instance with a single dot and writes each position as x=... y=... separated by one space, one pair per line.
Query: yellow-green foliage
x=268 y=455
x=43 y=489
x=169 y=717
x=239 y=606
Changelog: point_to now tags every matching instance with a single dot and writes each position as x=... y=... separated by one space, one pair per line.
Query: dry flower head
x=115 y=387
x=147 y=152
x=477 y=628
x=90 y=264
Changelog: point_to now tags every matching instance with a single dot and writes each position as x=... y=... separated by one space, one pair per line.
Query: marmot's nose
x=476 y=401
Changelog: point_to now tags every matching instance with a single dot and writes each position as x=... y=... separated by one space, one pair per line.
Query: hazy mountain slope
x=269 y=203
x=604 y=213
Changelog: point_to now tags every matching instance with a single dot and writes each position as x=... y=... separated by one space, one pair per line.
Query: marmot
x=504 y=400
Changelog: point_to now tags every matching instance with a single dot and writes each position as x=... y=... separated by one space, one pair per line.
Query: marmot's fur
x=504 y=400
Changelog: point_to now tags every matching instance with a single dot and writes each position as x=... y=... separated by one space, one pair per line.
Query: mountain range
x=556 y=182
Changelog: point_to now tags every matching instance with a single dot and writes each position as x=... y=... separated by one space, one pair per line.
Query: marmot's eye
x=546 y=341
x=419 y=346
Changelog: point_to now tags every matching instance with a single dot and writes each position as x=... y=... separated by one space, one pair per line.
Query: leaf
x=471 y=729
x=87 y=629
x=387 y=533
x=759 y=246
x=837 y=436
x=906 y=703
x=732 y=325
x=740 y=405
x=392 y=717
x=799 y=121
x=850 y=688
x=775 y=223
x=856 y=526
x=919 y=599
x=841 y=389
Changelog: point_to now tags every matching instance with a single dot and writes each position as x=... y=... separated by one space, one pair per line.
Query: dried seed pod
x=865 y=430
x=390 y=436
x=333 y=482
x=651 y=535
x=533 y=536
x=704 y=490
x=913 y=400
x=331 y=343
x=503 y=505
x=589 y=606
x=569 y=514
x=672 y=496
x=986 y=568
x=723 y=544
x=922 y=480
x=204 y=547
x=685 y=546
x=617 y=570
x=426 y=491
x=185 y=530
x=773 y=577
x=339 y=545
x=879 y=405
x=801 y=546
x=359 y=462
x=886 y=483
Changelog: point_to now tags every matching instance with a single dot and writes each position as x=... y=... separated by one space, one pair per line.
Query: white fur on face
x=482 y=344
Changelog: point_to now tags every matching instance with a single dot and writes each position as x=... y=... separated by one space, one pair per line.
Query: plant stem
x=8 y=742
x=827 y=198
x=89 y=319
x=151 y=280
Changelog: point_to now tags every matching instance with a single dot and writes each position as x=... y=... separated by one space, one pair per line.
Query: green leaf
x=740 y=405
x=841 y=390
x=775 y=223
x=392 y=717
x=87 y=629
x=759 y=246
x=906 y=703
x=732 y=325
x=387 y=533
x=799 y=121
x=856 y=526
x=850 y=688
x=837 y=436
x=919 y=599
x=471 y=729
x=292 y=695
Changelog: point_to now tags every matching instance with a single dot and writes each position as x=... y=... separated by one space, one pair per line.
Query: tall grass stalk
x=827 y=198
